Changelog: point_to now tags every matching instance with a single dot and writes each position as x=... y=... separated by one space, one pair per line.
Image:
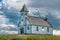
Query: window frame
x=47 y=29
x=37 y=28
x=28 y=27
x=42 y=27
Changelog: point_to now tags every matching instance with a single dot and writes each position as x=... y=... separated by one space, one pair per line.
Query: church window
x=47 y=29
x=42 y=28
x=22 y=19
x=37 y=29
x=28 y=27
x=21 y=13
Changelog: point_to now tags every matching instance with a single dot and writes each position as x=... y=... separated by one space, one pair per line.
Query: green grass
x=29 y=37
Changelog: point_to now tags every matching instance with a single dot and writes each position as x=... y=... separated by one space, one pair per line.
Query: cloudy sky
x=40 y=8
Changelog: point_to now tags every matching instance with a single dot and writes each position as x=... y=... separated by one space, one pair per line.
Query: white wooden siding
x=41 y=31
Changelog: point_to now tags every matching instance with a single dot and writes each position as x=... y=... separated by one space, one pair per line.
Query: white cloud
x=5 y=27
x=3 y=19
x=1 y=12
x=56 y=32
x=0 y=5
x=44 y=11
x=12 y=25
x=8 y=29
x=17 y=4
x=12 y=32
x=38 y=11
x=55 y=14
x=8 y=32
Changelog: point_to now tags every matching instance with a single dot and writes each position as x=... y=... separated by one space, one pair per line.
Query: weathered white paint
x=28 y=30
x=40 y=30
x=33 y=29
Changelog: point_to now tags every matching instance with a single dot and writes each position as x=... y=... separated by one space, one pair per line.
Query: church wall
x=28 y=29
x=32 y=29
x=40 y=30
x=46 y=32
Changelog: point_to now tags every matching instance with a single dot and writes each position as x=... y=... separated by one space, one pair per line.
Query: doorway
x=22 y=30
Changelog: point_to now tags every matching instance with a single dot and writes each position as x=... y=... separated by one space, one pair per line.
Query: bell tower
x=24 y=11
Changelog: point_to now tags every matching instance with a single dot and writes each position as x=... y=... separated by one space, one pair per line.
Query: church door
x=22 y=30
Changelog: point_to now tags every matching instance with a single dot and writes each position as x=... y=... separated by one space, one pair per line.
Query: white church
x=33 y=25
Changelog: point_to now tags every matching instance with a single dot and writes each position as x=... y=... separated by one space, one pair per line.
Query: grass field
x=29 y=37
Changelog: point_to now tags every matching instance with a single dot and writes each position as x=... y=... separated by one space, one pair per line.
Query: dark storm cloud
x=46 y=3
x=12 y=14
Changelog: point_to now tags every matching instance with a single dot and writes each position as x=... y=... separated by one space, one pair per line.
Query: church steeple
x=23 y=21
x=24 y=9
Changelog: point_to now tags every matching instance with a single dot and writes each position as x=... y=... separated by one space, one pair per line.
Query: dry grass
x=29 y=37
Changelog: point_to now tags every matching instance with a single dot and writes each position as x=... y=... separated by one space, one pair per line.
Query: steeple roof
x=24 y=9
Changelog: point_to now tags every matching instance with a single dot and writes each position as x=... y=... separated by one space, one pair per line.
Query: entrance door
x=22 y=30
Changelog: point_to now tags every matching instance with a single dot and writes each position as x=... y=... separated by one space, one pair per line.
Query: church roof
x=38 y=21
x=24 y=9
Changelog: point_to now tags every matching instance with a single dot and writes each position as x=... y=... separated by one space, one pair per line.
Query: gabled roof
x=38 y=21
x=24 y=9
